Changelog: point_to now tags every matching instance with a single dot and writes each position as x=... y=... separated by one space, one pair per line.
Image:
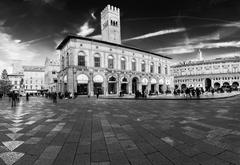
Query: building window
x=81 y=60
x=67 y=60
x=110 y=62
x=151 y=67
x=133 y=64
x=143 y=64
x=123 y=63
x=159 y=69
x=30 y=86
x=166 y=70
x=15 y=82
x=97 y=60
x=26 y=86
x=62 y=62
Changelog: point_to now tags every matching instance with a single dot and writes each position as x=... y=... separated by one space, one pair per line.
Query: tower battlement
x=110 y=24
x=110 y=8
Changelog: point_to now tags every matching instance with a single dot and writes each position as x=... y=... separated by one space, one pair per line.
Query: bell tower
x=110 y=24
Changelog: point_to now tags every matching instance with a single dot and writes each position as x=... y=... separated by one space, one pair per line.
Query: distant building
x=16 y=81
x=34 y=79
x=88 y=65
x=220 y=72
x=52 y=67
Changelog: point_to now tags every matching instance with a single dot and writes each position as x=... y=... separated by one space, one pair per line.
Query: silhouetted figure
x=14 y=97
x=27 y=97
x=98 y=92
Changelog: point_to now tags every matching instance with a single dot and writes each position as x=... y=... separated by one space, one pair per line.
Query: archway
x=226 y=84
x=82 y=84
x=112 y=85
x=124 y=85
x=183 y=86
x=216 y=85
x=235 y=85
x=97 y=84
x=144 y=85
x=208 y=84
x=134 y=84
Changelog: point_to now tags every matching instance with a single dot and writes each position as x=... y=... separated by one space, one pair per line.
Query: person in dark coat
x=27 y=97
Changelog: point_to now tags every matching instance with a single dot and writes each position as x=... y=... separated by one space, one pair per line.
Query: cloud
x=214 y=36
x=12 y=49
x=36 y=40
x=97 y=37
x=85 y=30
x=191 y=48
x=158 y=33
x=232 y=24
x=93 y=16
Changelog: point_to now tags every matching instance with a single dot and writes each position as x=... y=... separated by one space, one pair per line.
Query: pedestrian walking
x=98 y=93
x=27 y=97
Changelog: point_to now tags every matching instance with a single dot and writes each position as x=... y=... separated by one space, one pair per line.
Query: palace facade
x=216 y=73
x=88 y=65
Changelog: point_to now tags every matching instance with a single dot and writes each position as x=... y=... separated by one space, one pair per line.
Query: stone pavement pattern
x=87 y=131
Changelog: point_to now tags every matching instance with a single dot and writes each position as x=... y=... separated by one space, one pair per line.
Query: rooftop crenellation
x=110 y=8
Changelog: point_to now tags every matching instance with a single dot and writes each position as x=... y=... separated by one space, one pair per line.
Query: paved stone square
x=88 y=131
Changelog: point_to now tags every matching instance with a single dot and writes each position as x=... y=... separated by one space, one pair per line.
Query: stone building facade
x=220 y=72
x=33 y=79
x=88 y=65
x=52 y=67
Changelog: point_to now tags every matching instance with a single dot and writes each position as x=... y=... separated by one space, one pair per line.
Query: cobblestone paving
x=87 y=131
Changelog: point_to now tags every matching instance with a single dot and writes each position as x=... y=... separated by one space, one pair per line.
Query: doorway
x=82 y=89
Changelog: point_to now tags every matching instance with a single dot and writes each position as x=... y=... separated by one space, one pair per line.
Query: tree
x=5 y=84
x=4 y=74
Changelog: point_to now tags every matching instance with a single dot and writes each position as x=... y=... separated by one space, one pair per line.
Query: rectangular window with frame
x=96 y=61
x=134 y=66
x=81 y=60
x=110 y=63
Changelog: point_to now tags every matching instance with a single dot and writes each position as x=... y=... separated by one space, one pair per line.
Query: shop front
x=124 y=85
x=144 y=85
x=98 y=84
x=112 y=85
x=82 y=84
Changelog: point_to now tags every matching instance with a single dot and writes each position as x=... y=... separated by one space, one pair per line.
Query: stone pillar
x=70 y=80
x=90 y=85
x=105 y=84
x=130 y=87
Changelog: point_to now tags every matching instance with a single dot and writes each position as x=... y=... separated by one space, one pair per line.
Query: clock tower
x=110 y=24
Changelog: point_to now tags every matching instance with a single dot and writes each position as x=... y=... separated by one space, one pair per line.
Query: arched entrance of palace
x=82 y=84
x=112 y=85
x=216 y=85
x=226 y=84
x=208 y=84
x=235 y=85
x=134 y=84
x=144 y=85
x=124 y=85
x=183 y=86
x=98 y=84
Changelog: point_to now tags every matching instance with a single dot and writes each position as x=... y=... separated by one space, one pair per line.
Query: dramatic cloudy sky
x=31 y=29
